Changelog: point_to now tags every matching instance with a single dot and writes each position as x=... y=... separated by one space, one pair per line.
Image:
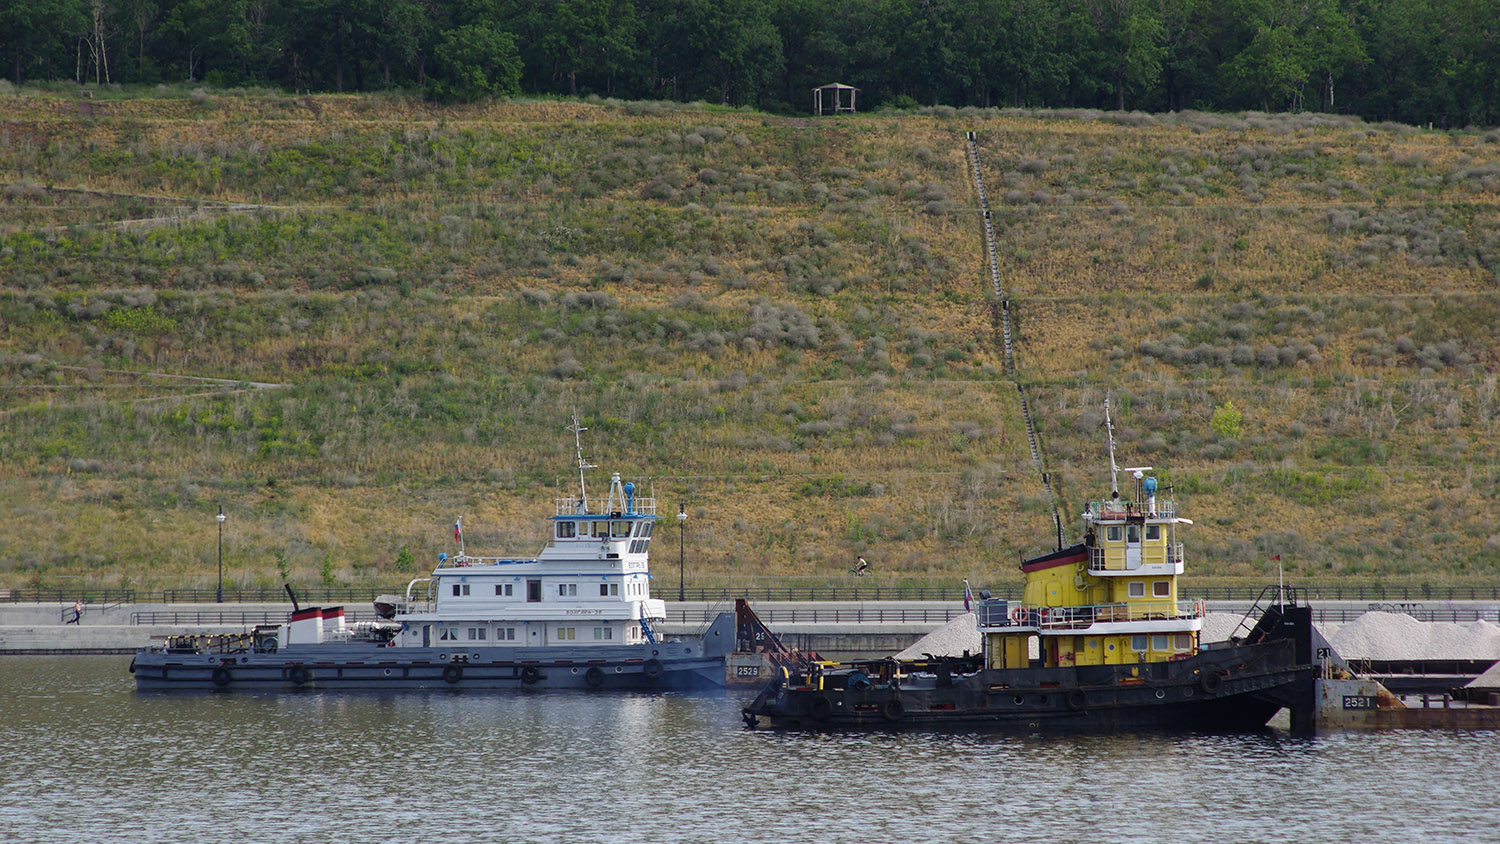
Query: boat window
x=603 y=634
x=609 y=590
x=567 y=590
x=1153 y=533
x=533 y=591
x=447 y=634
x=1161 y=588
x=647 y=528
x=1138 y=643
x=1137 y=588
x=1159 y=642
x=460 y=589
x=1113 y=533
x=505 y=590
x=621 y=528
x=476 y=634
x=567 y=633
x=566 y=530
x=1133 y=533
x=1182 y=642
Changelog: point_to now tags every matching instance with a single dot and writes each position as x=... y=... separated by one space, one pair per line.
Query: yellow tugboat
x=1100 y=641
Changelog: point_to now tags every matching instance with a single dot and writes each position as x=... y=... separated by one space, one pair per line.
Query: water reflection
x=86 y=759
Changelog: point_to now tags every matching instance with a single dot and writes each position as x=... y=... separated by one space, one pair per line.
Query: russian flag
x=968 y=597
x=458 y=530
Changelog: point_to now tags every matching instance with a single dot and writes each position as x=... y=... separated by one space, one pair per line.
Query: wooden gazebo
x=836 y=92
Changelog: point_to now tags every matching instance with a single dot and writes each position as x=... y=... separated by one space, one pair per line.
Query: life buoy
x=1210 y=683
x=452 y=674
x=651 y=668
x=530 y=675
x=594 y=677
x=1018 y=615
x=298 y=675
x=821 y=708
x=892 y=710
x=222 y=677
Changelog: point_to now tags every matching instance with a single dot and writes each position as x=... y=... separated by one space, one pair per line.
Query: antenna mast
x=1114 y=471
x=578 y=429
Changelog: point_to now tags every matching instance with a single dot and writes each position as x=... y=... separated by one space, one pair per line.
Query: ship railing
x=993 y=614
x=1124 y=508
x=467 y=560
x=1100 y=561
x=603 y=507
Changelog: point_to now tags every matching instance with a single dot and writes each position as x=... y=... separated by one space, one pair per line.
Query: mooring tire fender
x=530 y=675
x=594 y=677
x=1210 y=683
x=892 y=710
x=298 y=675
x=1077 y=700
x=222 y=677
x=452 y=674
x=820 y=708
x=651 y=668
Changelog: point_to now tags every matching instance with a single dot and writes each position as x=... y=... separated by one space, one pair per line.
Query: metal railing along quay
x=861 y=589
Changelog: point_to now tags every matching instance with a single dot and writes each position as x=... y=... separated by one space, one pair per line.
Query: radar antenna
x=583 y=465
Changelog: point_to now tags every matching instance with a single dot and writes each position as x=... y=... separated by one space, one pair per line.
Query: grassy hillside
x=785 y=325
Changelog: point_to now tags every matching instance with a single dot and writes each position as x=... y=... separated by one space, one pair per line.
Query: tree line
x=1416 y=61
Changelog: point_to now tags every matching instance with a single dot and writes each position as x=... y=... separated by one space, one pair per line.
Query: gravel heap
x=952 y=639
x=1388 y=635
x=1488 y=680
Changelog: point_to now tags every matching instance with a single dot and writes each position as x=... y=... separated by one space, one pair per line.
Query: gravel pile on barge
x=1397 y=636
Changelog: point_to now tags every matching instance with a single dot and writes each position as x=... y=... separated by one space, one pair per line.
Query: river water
x=83 y=758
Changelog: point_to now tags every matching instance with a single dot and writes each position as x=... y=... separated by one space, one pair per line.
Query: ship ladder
x=647 y=631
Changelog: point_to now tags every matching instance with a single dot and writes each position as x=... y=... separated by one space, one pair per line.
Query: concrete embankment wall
x=48 y=628
x=834 y=630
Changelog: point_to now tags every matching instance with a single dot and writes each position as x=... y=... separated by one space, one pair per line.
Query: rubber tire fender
x=1210 y=683
x=298 y=675
x=651 y=668
x=820 y=708
x=892 y=710
x=530 y=675
x=452 y=674
x=594 y=677
x=1077 y=700
x=222 y=677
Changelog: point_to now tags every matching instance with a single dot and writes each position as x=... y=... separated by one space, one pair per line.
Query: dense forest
x=1417 y=61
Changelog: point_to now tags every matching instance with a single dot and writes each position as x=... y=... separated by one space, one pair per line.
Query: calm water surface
x=83 y=758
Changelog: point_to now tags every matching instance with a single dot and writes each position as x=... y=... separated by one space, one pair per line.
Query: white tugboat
x=577 y=615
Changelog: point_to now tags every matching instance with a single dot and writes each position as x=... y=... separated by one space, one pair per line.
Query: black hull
x=1228 y=689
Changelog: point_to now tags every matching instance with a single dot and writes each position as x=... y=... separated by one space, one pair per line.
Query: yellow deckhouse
x=1109 y=600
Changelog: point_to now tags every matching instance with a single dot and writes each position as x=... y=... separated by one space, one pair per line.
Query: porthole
x=1018 y=700
x=575 y=670
x=388 y=672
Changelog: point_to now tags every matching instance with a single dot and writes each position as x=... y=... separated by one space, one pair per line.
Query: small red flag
x=1277 y=558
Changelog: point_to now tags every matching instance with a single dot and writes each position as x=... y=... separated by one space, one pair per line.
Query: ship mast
x=1114 y=470
x=578 y=429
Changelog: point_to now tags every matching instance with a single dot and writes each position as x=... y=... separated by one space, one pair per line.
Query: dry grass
x=782 y=324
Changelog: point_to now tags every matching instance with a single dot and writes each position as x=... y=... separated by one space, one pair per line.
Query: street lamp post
x=681 y=553
x=220 y=519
